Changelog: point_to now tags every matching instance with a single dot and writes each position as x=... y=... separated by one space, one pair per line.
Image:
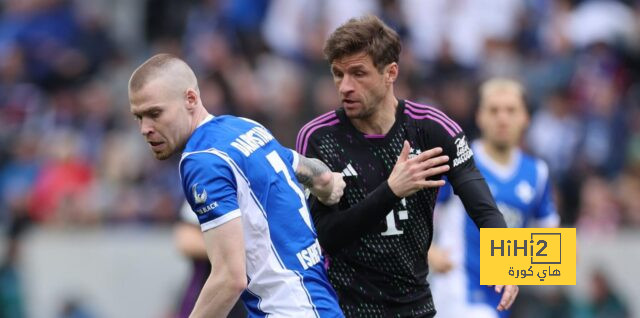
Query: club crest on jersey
x=463 y=153
x=414 y=152
x=198 y=198
x=525 y=192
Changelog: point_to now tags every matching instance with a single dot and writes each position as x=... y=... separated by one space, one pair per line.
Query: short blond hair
x=502 y=84
x=159 y=65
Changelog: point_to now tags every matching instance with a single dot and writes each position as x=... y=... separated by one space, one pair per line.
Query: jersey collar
x=504 y=172
x=374 y=138
x=205 y=120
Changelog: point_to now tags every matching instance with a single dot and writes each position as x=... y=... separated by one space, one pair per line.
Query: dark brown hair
x=366 y=34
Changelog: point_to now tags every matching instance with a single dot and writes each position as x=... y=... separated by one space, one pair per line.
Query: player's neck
x=381 y=121
x=198 y=118
x=501 y=155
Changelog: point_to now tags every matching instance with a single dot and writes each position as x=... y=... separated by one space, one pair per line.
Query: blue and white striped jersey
x=233 y=167
x=522 y=191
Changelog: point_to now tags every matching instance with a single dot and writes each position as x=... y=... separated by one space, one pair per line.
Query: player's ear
x=191 y=99
x=391 y=72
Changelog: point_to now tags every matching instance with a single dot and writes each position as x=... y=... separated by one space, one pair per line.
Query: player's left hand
x=509 y=293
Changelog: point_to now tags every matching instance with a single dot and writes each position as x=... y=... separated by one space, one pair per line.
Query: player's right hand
x=411 y=175
x=337 y=189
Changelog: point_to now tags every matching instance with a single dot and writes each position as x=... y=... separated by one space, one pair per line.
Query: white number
x=391 y=220
x=278 y=165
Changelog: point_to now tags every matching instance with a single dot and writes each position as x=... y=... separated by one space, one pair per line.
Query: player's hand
x=411 y=175
x=439 y=260
x=337 y=189
x=509 y=293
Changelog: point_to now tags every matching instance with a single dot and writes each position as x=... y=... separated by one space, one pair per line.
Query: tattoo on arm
x=308 y=169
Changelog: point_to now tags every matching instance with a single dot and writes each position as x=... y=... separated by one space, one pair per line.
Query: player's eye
x=154 y=114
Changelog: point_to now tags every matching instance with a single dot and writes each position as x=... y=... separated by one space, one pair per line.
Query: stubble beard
x=162 y=155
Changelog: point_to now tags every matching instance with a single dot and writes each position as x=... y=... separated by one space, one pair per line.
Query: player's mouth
x=349 y=103
x=155 y=145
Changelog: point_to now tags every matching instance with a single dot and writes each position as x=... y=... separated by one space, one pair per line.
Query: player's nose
x=145 y=127
x=346 y=85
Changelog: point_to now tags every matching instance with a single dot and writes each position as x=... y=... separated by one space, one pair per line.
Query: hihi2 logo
x=527 y=256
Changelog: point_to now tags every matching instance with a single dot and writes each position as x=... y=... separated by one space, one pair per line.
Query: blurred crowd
x=71 y=153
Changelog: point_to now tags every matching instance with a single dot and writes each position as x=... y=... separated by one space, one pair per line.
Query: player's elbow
x=328 y=245
x=236 y=282
x=229 y=281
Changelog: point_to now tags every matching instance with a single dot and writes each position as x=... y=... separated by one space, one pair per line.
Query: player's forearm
x=315 y=175
x=479 y=203
x=218 y=295
x=339 y=229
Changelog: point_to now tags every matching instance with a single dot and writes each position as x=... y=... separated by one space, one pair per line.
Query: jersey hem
x=220 y=220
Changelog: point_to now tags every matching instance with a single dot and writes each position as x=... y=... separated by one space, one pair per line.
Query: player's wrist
x=323 y=186
x=393 y=189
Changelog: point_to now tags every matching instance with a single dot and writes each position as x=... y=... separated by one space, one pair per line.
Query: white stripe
x=353 y=171
x=542 y=175
x=220 y=220
x=205 y=120
x=296 y=160
x=502 y=172
x=253 y=122
x=349 y=171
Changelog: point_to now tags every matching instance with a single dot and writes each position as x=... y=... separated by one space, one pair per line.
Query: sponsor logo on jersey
x=349 y=171
x=253 y=139
x=207 y=208
x=463 y=151
x=310 y=256
x=198 y=198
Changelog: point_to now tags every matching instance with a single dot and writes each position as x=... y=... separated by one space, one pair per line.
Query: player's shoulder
x=430 y=118
x=207 y=159
x=324 y=124
x=233 y=125
x=212 y=133
x=534 y=162
x=535 y=165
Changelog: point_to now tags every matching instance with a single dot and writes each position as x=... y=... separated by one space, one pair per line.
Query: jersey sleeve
x=456 y=146
x=467 y=182
x=290 y=156
x=209 y=185
x=545 y=214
